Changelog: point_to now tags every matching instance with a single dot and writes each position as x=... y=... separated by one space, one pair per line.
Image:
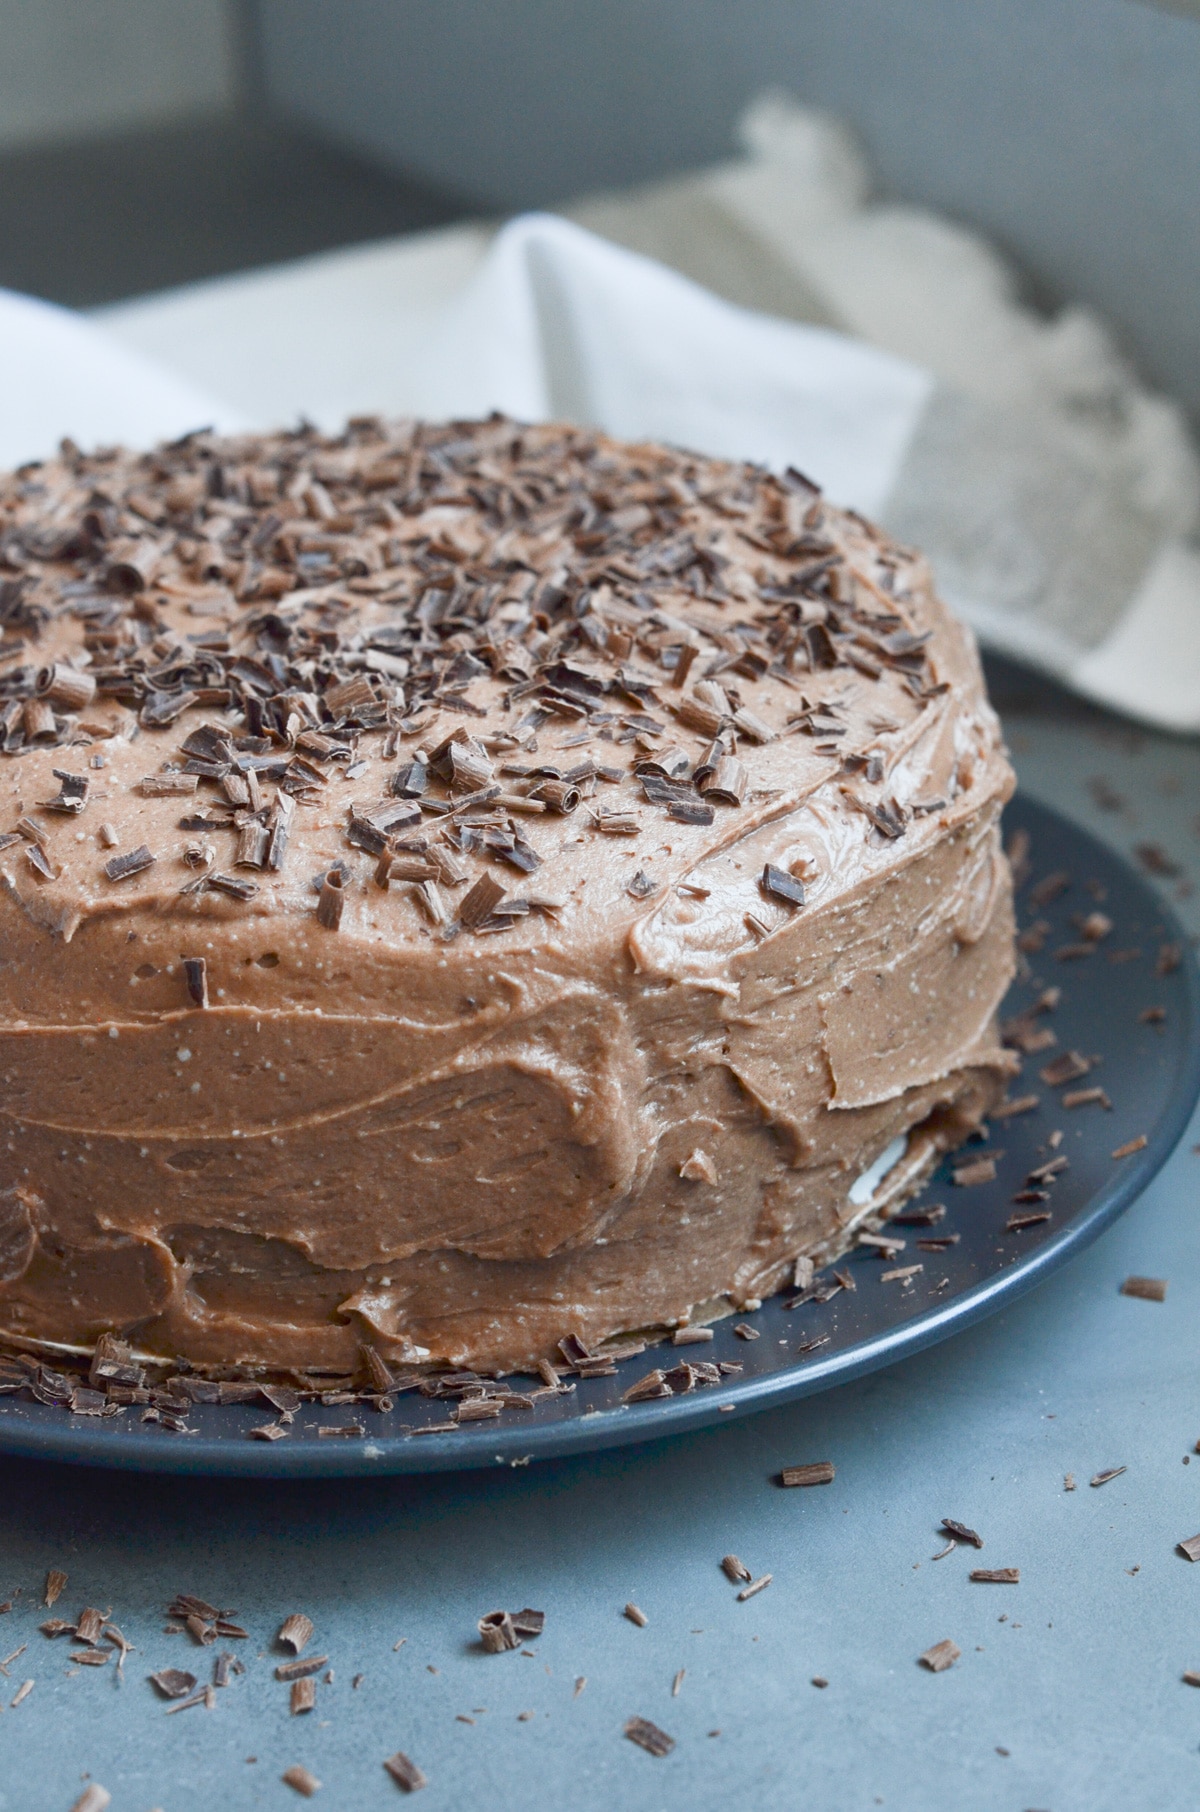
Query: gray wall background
x=1069 y=130
x=71 y=69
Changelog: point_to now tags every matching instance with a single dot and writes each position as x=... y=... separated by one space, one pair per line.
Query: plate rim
x=77 y=1442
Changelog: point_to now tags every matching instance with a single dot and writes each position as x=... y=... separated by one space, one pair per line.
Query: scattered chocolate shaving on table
x=302 y=1779
x=405 y=1772
x=22 y=1693
x=89 y=1625
x=1150 y=1289
x=819 y=1680
x=736 y=1570
x=1110 y=1472
x=300 y=1670
x=636 y=1615
x=941 y=1656
x=960 y=1532
x=497 y=1632
x=1017 y=1223
x=206 y=1696
x=817 y=1472
x=1130 y=1146
x=648 y=1736
x=303 y=1696
x=677 y=1682
x=754 y=1588
x=55 y=1582
x=94 y=1798
x=1191 y=1676
x=996 y=1575
x=901 y=1274
x=173 y=1682
x=1190 y=1547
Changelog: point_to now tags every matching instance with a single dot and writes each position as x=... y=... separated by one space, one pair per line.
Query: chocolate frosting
x=463 y=886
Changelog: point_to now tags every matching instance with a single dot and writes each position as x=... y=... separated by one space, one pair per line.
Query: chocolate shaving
x=941 y=1656
x=1087 y=1097
x=1049 y=889
x=121 y=868
x=479 y=902
x=817 y=1472
x=996 y=1575
x=648 y=1736
x=295 y=1632
x=173 y=1682
x=960 y=1532
x=331 y=902
x=497 y=1633
x=1149 y=1289
x=301 y=1779
x=777 y=885
x=301 y=1670
x=195 y=971
x=979 y=1170
x=1016 y=1223
x=303 y=1696
x=405 y=1772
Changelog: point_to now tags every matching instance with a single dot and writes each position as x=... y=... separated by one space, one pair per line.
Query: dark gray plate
x=1151 y=1072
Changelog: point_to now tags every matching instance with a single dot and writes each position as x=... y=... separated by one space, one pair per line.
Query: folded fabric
x=62 y=376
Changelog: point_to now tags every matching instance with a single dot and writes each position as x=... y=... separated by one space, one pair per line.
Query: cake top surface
x=458 y=682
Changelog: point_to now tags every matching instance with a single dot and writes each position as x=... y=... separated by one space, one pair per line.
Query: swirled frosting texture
x=463 y=886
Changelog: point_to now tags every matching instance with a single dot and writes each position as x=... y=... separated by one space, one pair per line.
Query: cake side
x=255 y=1117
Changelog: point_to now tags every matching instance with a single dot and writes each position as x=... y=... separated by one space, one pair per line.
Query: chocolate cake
x=467 y=886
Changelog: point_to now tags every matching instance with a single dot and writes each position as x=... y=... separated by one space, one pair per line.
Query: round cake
x=467 y=887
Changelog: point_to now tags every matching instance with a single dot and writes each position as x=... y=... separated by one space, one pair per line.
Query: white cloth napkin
x=61 y=376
